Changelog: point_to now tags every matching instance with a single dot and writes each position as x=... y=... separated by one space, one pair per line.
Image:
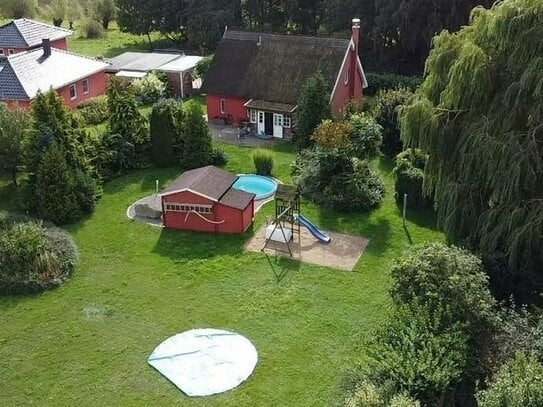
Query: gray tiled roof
x=209 y=181
x=25 y=33
x=26 y=74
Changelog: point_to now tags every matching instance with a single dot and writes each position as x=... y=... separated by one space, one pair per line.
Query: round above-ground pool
x=262 y=187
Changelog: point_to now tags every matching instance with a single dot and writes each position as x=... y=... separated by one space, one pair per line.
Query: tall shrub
x=166 y=123
x=14 y=123
x=409 y=174
x=366 y=135
x=197 y=149
x=386 y=111
x=314 y=107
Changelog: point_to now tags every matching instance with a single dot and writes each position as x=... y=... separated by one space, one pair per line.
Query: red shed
x=204 y=200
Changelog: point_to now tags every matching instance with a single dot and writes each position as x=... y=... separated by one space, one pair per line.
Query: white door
x=278 y=125
x=260 y=127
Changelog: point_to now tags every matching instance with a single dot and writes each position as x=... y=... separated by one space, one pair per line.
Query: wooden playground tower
x=287 y=209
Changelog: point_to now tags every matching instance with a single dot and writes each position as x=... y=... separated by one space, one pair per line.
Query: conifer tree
x=314 y=107
x=165 y=124
x=13 y=125
x=479 y=116
x=197 y=147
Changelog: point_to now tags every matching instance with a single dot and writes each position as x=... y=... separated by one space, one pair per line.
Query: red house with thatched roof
x=258 y=77
x=204 y=200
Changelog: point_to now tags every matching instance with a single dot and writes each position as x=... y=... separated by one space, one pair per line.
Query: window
x=73 y=92
x=11 y=51
x=223 y=106
x=347 y=75
x=1 y=52
x=286 y=121
x=185 y=207
x=261 y=117
x=86 y=88
x=278 y=120
x=253 y=115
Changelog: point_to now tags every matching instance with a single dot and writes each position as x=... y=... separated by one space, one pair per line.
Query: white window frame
x=85 y=83
x=287 y=121
x=188 y=207
x=253 y=115
x=347 y=75
x=74 y=97
x=278 y=120
x=261 y=117
x=222 y=105
x=1 y=52
x=11 y=51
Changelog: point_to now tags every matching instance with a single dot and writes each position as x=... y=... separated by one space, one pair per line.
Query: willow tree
x=479 y=116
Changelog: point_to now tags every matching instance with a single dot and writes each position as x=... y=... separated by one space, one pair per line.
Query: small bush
x=409 y=174
x=377 y=82
x=94 y=111
x=519 y=383
x=219 y=157
x=33 y=257
x=92 y=29
x=149 y=89
x=263 y=161
x=366 y=135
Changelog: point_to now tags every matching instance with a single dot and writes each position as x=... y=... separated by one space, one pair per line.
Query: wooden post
x=404 y=207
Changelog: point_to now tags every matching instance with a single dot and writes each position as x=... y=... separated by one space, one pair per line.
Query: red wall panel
x=233 y=107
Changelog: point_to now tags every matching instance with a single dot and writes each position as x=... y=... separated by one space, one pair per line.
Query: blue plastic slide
x=315 y=231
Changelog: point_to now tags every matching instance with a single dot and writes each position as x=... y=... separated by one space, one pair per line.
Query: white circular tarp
x=202 y=362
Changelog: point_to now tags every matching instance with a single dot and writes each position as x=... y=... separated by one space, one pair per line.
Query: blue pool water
x=262 y=187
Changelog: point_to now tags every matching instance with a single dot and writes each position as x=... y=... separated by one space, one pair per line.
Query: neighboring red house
x=204 y=200
x=258 y=77
x=23 y=35
x=75 y=78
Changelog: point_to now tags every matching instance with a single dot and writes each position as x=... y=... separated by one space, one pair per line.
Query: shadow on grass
x=281 y=266
x=185 y=245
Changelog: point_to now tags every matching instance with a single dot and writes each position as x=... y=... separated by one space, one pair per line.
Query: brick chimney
x=355 y=37
x=46 y=45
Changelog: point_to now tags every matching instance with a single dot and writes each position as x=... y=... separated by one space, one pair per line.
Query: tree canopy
x=479 y=116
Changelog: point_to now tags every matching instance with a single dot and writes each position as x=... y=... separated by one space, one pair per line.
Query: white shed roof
x=182 y=64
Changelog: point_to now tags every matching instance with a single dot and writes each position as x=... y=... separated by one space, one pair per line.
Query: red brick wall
x=233 y=107
x=25 y=104
x=59 y=44
x=97 y=87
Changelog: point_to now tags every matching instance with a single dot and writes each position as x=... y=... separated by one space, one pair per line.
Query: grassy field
x=87 y=342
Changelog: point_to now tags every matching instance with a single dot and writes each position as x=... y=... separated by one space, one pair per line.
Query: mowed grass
x=87 y=342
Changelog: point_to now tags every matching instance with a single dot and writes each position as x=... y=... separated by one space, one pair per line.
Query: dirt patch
x=343 y=252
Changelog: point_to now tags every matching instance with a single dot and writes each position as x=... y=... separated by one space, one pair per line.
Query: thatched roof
x=272 y=67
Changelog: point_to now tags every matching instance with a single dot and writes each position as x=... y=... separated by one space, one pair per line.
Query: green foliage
x=519 y=383
x=366 y=136
x=386 y=114
x=263 y=161
x=126 y=143
x=313 y=108
x=423 y=350
x=197 y=149
x=336 y=180
x=14 y=123
x=149 y=89
x=436 y=274
x=33 y=257
x=219 y=157
x=74 y=12
x=203 y=66
x=166 y=123
x=409 y=175
x=478 y=116
x=94 y=111
x=61 y=185
x=18 y=8
x=383 y=82
x=92 y=29
x=57 y=11
x=403 y=400
x=104 y=11
x=332 y=134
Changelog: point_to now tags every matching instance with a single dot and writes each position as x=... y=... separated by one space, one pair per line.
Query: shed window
x=347 y=75
x=223 y=106
x=261 y=117
x=253 y=115
x=85 y=84
x=1 y=51
x=286 y=121
x=186 y=207
x=73 y=92
x=11 y=51
x=278 y=120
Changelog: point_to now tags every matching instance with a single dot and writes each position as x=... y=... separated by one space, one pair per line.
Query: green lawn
x=87 y=342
